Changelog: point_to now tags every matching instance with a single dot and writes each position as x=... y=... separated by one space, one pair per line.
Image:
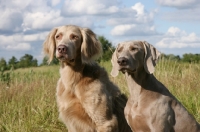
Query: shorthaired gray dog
x=150 y=107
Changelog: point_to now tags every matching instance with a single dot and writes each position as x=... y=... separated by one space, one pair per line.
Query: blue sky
x=172 y=26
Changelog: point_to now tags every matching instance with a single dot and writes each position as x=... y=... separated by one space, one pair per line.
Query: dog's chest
x=68 y=102
x=67 y=97
x=70 y=107
x=135 y=119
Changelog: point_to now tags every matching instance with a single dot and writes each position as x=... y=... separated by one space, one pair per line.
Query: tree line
x=187 y=57
x=29 y=61
x=25 y=61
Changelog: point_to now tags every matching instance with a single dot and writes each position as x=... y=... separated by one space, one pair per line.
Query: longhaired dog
x=87 y=100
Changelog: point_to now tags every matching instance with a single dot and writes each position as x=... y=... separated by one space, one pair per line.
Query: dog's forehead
x=127 y=44
x=69 y=29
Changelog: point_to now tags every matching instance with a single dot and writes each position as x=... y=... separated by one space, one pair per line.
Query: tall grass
x=183 y=80
x=28 y=103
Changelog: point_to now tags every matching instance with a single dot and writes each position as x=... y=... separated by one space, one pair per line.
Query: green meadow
x=28 y=103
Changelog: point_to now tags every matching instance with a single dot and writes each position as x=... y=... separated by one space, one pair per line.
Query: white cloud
x=187 y=10
x=191 y=38
x=20 y=42
x=122 y=29
x=133 y=21
x=139 y=8
x=55 y=2
x=89 y=7
x=10 y=20
x=134 y=15
x=16 y=13
x=174 y=31
x=6 y=40
x=16 y=4
x=187 y=15
x=34 y=16
x=133 y=29
x=178 y=3
x=176 y=38
x=9 y=43
x=42 y=20
x=18 y=47
x=48 y=20
x=30 y=37
x=142 y=16
x=26 y=5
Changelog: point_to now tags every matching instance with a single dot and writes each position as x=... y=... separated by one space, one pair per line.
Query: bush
x=107 y=47
x=5 y=77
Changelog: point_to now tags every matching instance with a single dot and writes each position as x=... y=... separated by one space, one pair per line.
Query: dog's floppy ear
x=115 y=65
x=49 y=44
x=151 y=57
x=91 y=48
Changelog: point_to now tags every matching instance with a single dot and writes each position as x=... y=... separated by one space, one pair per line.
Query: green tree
x=34 y=63
x=3 y=64
x=55 y=61
x=107 y=47
x=191 y=58
x=171 y=57
x=27 y=61
x=12 y=63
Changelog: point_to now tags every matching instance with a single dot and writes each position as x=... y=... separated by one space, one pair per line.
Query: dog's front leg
x=98 y=104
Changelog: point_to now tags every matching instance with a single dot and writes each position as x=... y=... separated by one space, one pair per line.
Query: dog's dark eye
x=119 y=49
x=133 y=48
x=73 y=37
x=59 y=36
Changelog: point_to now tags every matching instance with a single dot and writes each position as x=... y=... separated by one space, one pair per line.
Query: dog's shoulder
x=94 y=71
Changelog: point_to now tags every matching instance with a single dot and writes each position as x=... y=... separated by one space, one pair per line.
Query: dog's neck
x=70 y=75
x=141 y=82
x=76 y=66
x=138 y=82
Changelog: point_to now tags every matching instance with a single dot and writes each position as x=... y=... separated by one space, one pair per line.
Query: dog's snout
x=122 y=61
x=62 y=49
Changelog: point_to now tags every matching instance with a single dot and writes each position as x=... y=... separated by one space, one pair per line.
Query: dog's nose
x=62 y=49
x=122 y=61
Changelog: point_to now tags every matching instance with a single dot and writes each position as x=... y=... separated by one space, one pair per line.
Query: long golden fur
x=87 y=100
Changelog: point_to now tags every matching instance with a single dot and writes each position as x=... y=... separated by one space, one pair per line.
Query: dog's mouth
x=124 y=70
x=64 y=58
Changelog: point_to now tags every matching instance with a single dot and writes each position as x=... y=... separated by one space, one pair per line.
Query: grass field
x=28 y=103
